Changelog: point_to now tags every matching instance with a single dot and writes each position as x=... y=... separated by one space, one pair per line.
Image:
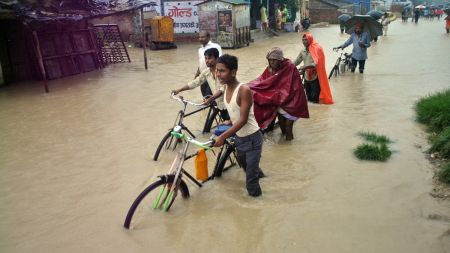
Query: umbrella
x=375 y=14
x=420 y=6
x=344 y=17
x=373 y=27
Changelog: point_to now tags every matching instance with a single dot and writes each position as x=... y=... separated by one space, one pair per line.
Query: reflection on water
x=73 y=160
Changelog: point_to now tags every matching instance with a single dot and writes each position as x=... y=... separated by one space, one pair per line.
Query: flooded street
x=72 y=161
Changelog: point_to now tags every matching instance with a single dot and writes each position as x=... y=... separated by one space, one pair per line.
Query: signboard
x=225 y=21
x=184 y=14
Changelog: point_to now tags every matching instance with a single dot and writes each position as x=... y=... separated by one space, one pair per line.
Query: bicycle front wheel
x=155 y=196
x=332 y=72
x=167 y=138
x=210 y=120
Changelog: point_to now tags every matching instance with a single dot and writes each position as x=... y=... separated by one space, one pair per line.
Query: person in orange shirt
x=314 y=72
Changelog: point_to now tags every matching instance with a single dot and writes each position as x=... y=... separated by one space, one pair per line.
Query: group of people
x=281 y=14
x=429 y=14
x=277 y=93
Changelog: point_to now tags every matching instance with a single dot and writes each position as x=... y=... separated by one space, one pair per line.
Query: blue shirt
x=358 y=53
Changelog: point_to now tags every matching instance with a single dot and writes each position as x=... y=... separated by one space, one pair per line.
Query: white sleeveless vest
x=234 y=110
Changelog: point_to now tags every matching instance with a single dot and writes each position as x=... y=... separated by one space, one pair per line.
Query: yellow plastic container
x=201 y=165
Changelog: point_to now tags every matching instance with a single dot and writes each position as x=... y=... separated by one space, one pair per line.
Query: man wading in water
x=239 y=103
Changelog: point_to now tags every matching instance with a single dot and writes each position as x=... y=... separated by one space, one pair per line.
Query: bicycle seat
x=221 y=129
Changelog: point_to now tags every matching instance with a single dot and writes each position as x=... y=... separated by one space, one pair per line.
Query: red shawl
x=282 y=89
x=318 y=56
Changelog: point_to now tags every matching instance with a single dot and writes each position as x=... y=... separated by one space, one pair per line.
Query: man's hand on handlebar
x=207 y=101
x=336 y=48
x=218 y=141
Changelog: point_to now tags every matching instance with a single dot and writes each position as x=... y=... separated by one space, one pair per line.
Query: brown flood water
x=72 y=161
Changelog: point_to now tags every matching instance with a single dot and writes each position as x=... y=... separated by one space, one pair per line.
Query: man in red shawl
x=315 y=74
x=279 y=91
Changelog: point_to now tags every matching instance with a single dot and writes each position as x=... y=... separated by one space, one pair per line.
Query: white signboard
x=184 y=14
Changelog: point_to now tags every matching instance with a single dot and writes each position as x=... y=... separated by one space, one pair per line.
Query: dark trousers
x=361 y=63
x=312 y=89
x=249 y=150
x=205 y=89
x=224 y=114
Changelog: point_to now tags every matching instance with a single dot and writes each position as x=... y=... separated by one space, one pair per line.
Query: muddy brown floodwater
x=72 y=161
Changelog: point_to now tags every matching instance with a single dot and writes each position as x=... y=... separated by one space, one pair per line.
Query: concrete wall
x=126 y=22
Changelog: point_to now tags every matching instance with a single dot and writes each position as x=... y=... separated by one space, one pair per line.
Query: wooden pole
x=40 y=61
x=143 y=38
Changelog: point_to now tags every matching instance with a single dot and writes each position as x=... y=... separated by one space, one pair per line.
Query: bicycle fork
x=168 y=192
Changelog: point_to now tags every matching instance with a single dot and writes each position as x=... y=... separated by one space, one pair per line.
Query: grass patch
x=444 y=174
x=375 y=138
x=441 y=143
x=373 y=152
x=434 y=111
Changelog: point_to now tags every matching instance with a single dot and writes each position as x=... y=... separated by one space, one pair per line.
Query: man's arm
x=199 y=80
x=299 y=59
x=197 y=73
x=245 y=101
x=367 y=40
x=215 y=96
x=346 y=44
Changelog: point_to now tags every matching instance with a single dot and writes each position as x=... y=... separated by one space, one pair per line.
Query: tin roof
x=69 y=10
x=235 y=2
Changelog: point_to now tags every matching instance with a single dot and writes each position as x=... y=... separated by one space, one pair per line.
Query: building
x=326 y=10
x=54 y=39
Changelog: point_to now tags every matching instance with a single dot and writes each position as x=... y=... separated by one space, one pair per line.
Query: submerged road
x=72 y=161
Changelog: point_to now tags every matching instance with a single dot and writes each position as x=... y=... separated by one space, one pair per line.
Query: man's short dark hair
x=212 y=52
x=230 y=61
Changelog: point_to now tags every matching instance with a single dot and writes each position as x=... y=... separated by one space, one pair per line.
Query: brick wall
x=323 y=15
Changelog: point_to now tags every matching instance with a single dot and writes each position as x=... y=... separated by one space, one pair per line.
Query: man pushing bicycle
x=239 y=103
x=209 y=75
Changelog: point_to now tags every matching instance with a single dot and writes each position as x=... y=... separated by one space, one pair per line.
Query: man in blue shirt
x=360 y=41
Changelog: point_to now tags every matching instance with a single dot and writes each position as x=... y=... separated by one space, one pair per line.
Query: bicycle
x=341 y=68
x=161 y=194
x=168 y=139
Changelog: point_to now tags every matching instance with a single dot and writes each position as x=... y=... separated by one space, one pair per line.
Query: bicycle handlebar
x=179 y=135
x=184 y=101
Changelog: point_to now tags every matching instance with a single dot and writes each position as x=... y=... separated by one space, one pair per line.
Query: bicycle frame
x=336 y=70
x=177 y=170
x=182 y=113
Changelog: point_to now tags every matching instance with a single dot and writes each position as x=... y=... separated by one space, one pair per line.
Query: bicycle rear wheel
x=155 y=196
x=225 y=157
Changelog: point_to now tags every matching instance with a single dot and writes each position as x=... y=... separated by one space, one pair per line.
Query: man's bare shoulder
x=244 y=90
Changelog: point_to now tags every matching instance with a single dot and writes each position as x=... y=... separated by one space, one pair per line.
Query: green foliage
x=441 y=143
x=444 y=174
x=373 y=137
x=434 y=111
x=373 y=152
